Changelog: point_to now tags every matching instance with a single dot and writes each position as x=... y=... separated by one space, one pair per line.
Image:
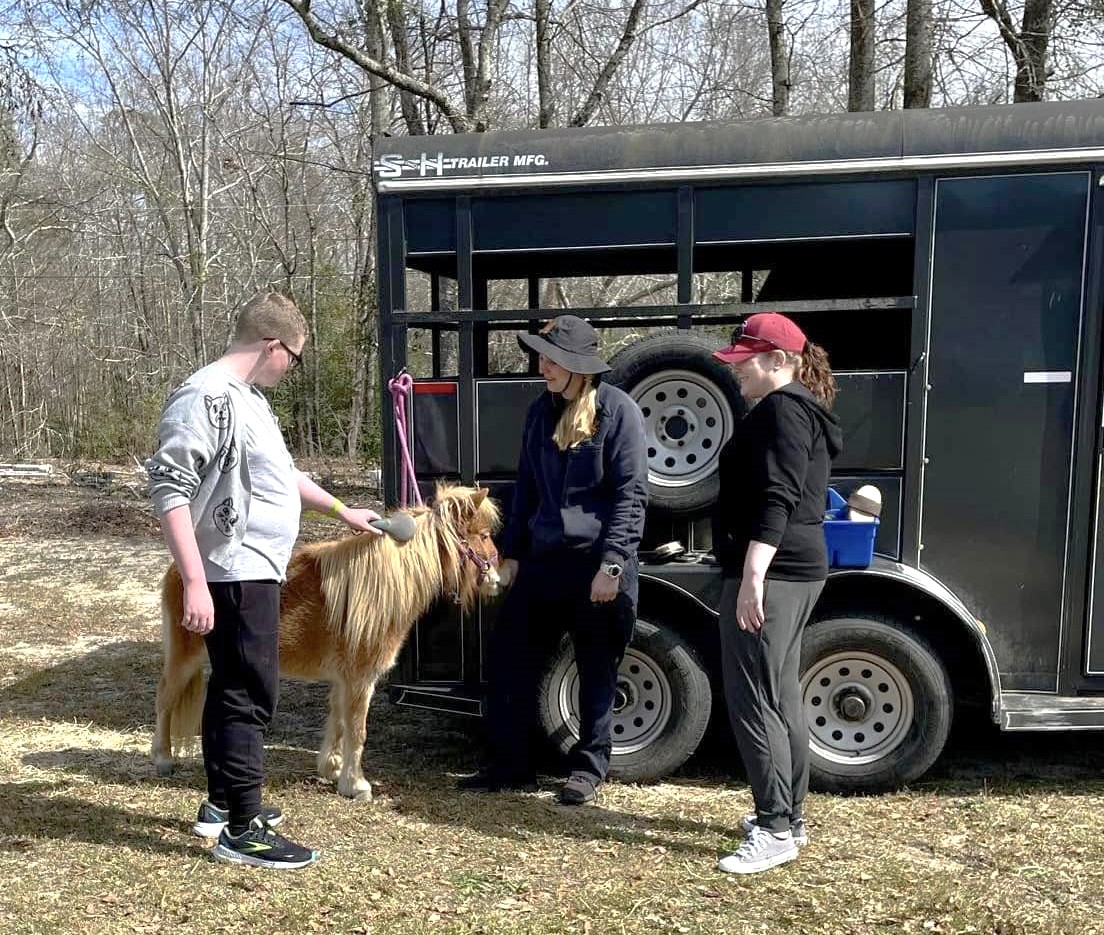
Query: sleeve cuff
x=162 y=505
x=614 y=557
x=767 y=536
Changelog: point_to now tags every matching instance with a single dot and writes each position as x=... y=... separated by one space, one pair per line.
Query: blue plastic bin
x=850 y=544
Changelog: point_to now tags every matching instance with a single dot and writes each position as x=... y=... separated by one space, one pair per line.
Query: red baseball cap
x=767 y=331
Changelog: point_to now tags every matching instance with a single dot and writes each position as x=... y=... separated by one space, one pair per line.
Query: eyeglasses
x=294 y=359
x=740 y=334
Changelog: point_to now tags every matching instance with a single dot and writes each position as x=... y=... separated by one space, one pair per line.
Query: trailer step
x=1029 y=711
x=449 y=699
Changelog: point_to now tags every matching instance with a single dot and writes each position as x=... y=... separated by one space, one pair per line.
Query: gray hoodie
x=206 y=427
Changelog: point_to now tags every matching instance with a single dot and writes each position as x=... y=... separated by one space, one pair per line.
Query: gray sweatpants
x=764 y=696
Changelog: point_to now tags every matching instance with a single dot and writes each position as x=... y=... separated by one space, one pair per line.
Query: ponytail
x=815 y=373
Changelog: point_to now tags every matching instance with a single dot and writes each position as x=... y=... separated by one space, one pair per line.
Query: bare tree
x=779 y=57
x=1028 y=46
x=860 y=85
x=918 y=54
x=546 y=114
x=330 y=38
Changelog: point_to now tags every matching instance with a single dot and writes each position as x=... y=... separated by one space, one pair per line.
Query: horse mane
x=374 y=587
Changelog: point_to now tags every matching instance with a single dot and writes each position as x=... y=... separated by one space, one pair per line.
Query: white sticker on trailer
x=1048 y=376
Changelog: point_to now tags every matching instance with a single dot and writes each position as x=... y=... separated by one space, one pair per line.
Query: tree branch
x=456 y=118
x=628 y=37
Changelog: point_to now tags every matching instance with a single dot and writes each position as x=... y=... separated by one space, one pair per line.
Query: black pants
x=764 y=696
x=241 y=693
x=548 y=599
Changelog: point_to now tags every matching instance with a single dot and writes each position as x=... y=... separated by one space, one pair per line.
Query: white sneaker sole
x=212 y=829
x=228 y=856
x=730 y=864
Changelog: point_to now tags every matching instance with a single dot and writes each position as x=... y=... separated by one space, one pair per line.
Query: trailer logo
x=392 y=166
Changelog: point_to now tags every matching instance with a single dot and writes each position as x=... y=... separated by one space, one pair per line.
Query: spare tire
x=690 y=401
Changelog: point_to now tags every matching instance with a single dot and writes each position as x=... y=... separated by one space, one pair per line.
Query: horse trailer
x=950 y=261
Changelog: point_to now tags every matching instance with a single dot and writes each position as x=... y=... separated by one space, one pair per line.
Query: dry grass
x=1002 y=840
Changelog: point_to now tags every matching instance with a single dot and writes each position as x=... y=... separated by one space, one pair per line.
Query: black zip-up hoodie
x=774 y=485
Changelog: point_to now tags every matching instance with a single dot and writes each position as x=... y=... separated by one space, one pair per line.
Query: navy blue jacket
x=588 y=500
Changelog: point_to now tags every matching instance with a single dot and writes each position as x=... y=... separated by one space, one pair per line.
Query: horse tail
x=185 y=717
x=180 y=692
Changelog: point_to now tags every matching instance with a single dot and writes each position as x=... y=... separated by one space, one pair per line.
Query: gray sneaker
x=210 y=820
x=760 y=851
x=797 y=828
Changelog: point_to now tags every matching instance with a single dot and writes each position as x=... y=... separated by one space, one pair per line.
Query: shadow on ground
x=30 y=811
x=413 y=757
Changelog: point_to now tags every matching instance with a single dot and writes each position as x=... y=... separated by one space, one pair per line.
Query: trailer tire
x=878 y=700
x=661 y=709
x=690 y=402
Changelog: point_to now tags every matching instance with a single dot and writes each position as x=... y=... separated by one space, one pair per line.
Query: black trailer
x=949 y=260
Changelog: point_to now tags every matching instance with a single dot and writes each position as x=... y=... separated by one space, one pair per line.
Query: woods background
x=160 y=160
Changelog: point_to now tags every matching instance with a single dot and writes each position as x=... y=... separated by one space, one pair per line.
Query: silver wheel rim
x=859 y=707
x=641 y=705
x=687 y=420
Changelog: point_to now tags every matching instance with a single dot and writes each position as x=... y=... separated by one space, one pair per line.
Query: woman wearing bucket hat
x=570 y=546
x=769 y=539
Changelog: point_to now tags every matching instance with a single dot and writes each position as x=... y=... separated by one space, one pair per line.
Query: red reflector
x=435 y=389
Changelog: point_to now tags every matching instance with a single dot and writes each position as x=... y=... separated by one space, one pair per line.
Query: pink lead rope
x=400 y=388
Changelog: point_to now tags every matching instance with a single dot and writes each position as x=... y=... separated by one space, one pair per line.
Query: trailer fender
x=885 y=569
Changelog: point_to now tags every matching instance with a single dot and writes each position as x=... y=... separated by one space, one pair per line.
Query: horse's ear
x=479 y=496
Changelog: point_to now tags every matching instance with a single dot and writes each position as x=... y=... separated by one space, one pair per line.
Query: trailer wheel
x=690 y=403
x=660 y=710
x=878 y=701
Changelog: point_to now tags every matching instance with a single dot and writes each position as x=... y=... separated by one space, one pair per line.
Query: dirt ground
x=1000 y=839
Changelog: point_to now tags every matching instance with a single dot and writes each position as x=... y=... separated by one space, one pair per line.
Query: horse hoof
x=360 y=792
x=164 y=767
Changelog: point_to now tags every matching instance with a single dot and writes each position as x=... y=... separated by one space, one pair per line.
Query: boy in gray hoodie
x=229 y=497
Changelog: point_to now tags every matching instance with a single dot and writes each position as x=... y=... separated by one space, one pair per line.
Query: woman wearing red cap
x=769 y=539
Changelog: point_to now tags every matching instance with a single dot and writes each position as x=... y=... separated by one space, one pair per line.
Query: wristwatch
x=611 y=570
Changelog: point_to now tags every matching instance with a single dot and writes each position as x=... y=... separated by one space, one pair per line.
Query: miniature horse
x=345 y=611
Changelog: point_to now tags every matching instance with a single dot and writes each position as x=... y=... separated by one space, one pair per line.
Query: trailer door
x=1006 y=308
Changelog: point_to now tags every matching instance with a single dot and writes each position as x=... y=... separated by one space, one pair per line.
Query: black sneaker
x=580 y=789
x=260 y=846
x=210 y=819
x=488 y=780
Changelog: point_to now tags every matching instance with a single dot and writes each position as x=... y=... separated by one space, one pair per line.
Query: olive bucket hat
x=568 y=341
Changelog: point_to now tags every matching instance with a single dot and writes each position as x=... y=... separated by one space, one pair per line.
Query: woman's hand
x=749 y=604
x=603 y=588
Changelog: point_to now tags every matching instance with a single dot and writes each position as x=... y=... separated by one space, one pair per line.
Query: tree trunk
x=1031 y=68
x=780 y=58
x=860 y=87
x=546 y=116
x=918 y=54
x=1028 y=46
x=412 y=116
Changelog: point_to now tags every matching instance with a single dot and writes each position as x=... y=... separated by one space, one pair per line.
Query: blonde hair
x=270 y=315
x=579 y=420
